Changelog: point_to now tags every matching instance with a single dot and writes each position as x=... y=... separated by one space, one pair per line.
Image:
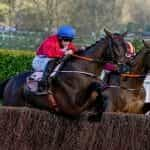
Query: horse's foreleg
x=99 y=101
x=134 y=107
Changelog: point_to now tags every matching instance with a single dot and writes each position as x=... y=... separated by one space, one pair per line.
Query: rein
x=86 y=58
x=110 y=51
x=80 y=72
x=131 y=75
x=121 y=87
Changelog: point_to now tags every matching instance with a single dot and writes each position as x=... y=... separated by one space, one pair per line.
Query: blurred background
x=25 y=23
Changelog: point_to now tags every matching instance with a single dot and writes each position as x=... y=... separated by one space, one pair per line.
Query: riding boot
x=43 y=84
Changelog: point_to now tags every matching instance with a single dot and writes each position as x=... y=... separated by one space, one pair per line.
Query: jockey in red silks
x=52 y=48
x=57 y=46
x=110 y=67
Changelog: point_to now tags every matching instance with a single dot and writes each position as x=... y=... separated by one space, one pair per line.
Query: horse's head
x=111 y=48
x=116 y=49
x=140 y=63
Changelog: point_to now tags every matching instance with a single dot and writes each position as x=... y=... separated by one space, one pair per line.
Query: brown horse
x=72 y=90
x=126 y=93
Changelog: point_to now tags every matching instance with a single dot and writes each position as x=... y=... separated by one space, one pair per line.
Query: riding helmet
x=66 y=31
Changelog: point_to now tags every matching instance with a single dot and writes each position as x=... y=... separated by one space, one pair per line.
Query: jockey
x=54 y=47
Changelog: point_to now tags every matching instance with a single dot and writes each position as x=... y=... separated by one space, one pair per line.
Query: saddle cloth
x=33 y=80
x=39 y=64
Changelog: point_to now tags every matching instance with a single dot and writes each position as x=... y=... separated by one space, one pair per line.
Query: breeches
x=39 y=63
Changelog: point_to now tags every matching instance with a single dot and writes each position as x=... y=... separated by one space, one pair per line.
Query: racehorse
x=71 y=91
x=126 y=93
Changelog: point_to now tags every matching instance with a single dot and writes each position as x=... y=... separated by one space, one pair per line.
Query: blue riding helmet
x=66 y=31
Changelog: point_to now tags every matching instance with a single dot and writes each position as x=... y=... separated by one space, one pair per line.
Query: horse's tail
x=2 y=87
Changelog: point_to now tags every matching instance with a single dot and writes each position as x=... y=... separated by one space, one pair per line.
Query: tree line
x=86 y=15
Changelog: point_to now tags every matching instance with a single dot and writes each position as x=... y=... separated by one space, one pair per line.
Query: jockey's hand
x=69 y=52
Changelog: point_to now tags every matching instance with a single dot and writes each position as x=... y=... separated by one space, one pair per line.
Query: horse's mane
x=94 y=44
x=139 y=57
x=88 y=48
x=101 y=40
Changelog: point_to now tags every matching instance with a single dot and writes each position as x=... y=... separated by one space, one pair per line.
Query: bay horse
x=126 y=93
x=72 y=90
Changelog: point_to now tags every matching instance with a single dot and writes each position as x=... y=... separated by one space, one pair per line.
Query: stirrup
x=42 y=88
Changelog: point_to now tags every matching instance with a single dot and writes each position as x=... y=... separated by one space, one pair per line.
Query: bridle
x=131 y=75
x=109 y=58
x=113 y=45
x=136 y=75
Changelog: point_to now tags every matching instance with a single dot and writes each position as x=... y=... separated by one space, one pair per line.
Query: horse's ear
x=108 y=33
x=125 y=33
x=146 y=44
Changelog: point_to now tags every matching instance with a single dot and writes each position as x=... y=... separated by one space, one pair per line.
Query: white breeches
x=39 y=63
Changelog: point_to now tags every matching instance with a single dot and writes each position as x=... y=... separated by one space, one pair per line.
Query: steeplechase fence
x=32 y=129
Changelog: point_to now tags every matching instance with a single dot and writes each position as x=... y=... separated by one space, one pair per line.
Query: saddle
x=37 y=82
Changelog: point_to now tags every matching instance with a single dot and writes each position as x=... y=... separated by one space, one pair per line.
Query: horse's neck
x=96 y=50
x=138 y=66
x=83 y=66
